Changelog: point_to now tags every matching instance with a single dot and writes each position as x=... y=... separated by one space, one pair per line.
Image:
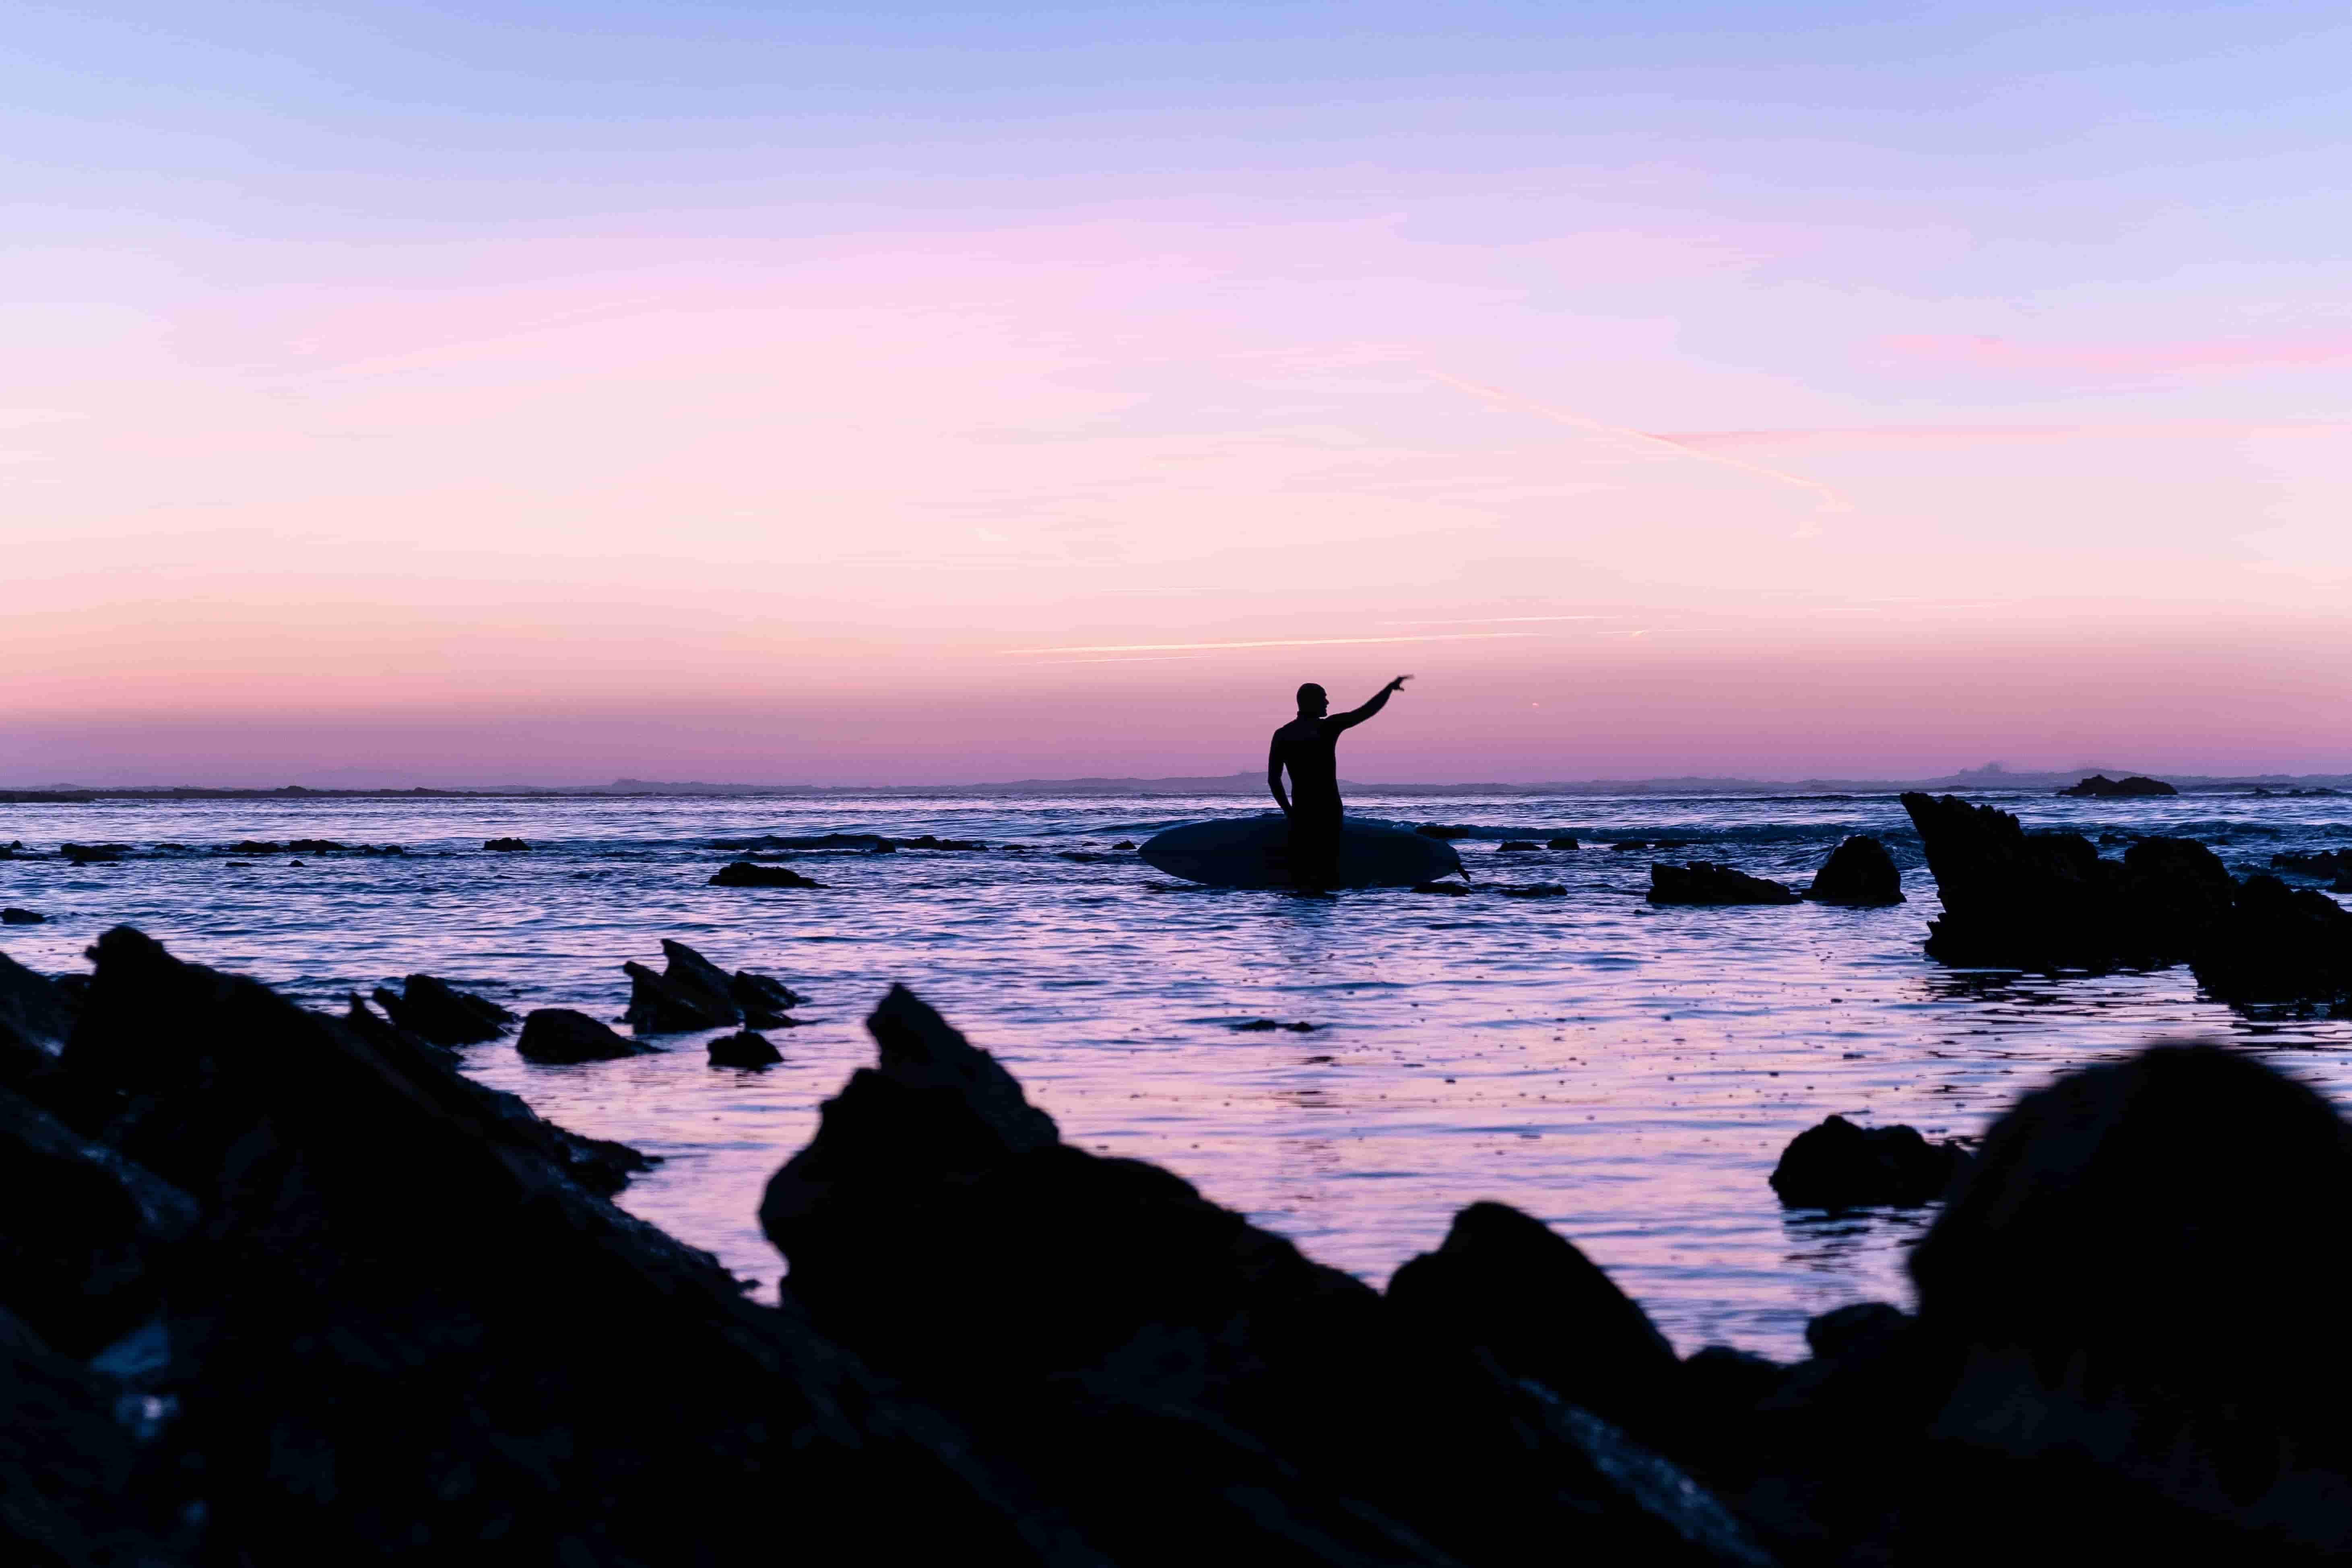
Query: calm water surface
x=1628 y=1074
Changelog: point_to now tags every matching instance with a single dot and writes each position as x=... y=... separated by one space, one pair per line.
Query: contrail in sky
x=1271 y=642
x=1643 y=440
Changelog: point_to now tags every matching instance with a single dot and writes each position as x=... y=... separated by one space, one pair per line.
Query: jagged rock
x=392 y=1336
x=1565 y=841
x=2278 y=944
x=505 y=846
x=14 y=916
x=1516 y=846
x=2112 y=1287
x=1192 y=1382
x=558 y=1034
x=1838 y=1164
x=2100 y=786
x=744 y=1050
x=764 y=999
x=1510 y=1287
x=1858 y=872
x=744 y=874
x=441 y=1013
x=1535 y=890
x=1704 y=882
x=659 y=1007
x=707 y=984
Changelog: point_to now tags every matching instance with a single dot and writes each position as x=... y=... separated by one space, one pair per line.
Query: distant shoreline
x=1978 y=781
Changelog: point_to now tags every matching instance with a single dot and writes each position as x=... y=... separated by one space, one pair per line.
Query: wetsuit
x=1309 y=749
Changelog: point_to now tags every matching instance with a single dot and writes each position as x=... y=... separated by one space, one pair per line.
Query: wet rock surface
x=1841 y=1164
x=1704 y=882
x=439 y=1011
x=560 y=1036
x=745 y=1050
x=1859 y=872
x=745 y=874
x=14 y=916
x=505 y=846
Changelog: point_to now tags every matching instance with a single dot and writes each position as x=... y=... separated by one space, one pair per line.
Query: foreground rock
x=442 y=1014
x=1704 y=882
x=1860 y=873
x=1839 y=1164
x=2098 y=786
x=559 y=1035
x=745 y=874
x=371 y=1323
x=1199 y=1390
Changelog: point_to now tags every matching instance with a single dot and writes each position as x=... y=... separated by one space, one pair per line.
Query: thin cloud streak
x=1270 y=642
x=1499 y=620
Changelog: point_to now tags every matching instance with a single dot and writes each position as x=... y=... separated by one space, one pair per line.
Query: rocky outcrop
x=1196 y=1387
x=2321 y=863
x=745 y=874
x=1860 y=873
x=505 y=846
x=1510 y=1288
x=1535 y=890
x=1565 y=841
x=559 y=1035
x=1704 y=882
x=15 y=916
x=2098 y=786
x=367 y=1323
x=1442 y=830
x=2279 y=945
x=692 y=992
x=1839 y=1164
x=657 y=1006
x=441 y=1013
x=745 y=1050
x=1518 y=846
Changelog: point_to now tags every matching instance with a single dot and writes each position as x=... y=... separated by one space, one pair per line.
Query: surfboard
x=1255 y=852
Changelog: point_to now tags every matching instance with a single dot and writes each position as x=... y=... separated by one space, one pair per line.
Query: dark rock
x=1857 y=1329
x=1565 y=841
x=2278 y=944
x=658 y=1007
x=312 y=846
x=1436 y=830
x=1124 y=844
x=1516 y=846
x=1267 y=1026
x=558 y=1034
x=1704 y=882
x=744 y=874
x=2114 y=1285
x=928 y=842
x=1198 y=1389
x=845 y=841
x=763 y=992
x=253 y=847
x=2325 y=863
x=1838 y=1164
x=505 y=846
x=2100 y=786
x=704 y=981
x=393 y=1335
x=14 y=916
x=442 y=1014
x=1449 y=889
x=1858 y=872
x=35 y=1014
x=744 y=1050
x=1511 y=1288
x=1623 y=844
x=93 y=853
x=1535 y=890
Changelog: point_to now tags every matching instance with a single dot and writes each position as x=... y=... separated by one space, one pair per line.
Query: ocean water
x=1628 y=1074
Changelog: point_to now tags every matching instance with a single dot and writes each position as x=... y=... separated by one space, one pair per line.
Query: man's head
x=1313 y=703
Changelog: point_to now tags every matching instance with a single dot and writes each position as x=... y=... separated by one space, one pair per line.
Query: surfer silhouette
x=1308 y=746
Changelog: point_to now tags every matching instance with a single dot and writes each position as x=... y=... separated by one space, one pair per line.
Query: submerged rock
x=1704 y=882
x=1565 y=841
x=560 y=1035
x=1535 y=890
x=744 y=874
x=2101 y=787
x=1446 y=890
x=1516 y=846
x=14 y=916
x=93 y=853
x=1839 y=1164
x=1267 y=1026
x=442 y=1014
x=505 y=846
x=1199 y=1389
x=1859 y=872
x=744 y=1050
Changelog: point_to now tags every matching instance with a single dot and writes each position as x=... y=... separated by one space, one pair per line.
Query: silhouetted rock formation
x=692 y=992
x=362 y=1322
x=1197 y=1389
x=744 y=1050
x=93 y=853
x=1535 y=890
x=1442 y=830
x=657 y=1007
x=2100 y=786
x=441 y=1013
x=558 y=1034
x=2280 y=944
x=14 y=916
x=1704 y=882
x=1858 y=872
x=744 y=874
x=1448 y=890
x=1509 y=1287
x=1516 y=846
x=1564 y=841
x=1838 y=1164
x=505 y=846
x=2325 y=863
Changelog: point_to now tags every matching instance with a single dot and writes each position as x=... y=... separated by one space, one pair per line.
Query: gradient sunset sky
x=549 y=393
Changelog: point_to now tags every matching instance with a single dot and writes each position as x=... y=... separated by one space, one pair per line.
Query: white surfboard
x=1255 y=852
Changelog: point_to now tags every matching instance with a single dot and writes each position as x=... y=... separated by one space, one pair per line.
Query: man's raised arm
x=1274 y=774
x=1354 y=717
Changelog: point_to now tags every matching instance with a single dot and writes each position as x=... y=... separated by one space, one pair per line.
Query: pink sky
x=1643 y=468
